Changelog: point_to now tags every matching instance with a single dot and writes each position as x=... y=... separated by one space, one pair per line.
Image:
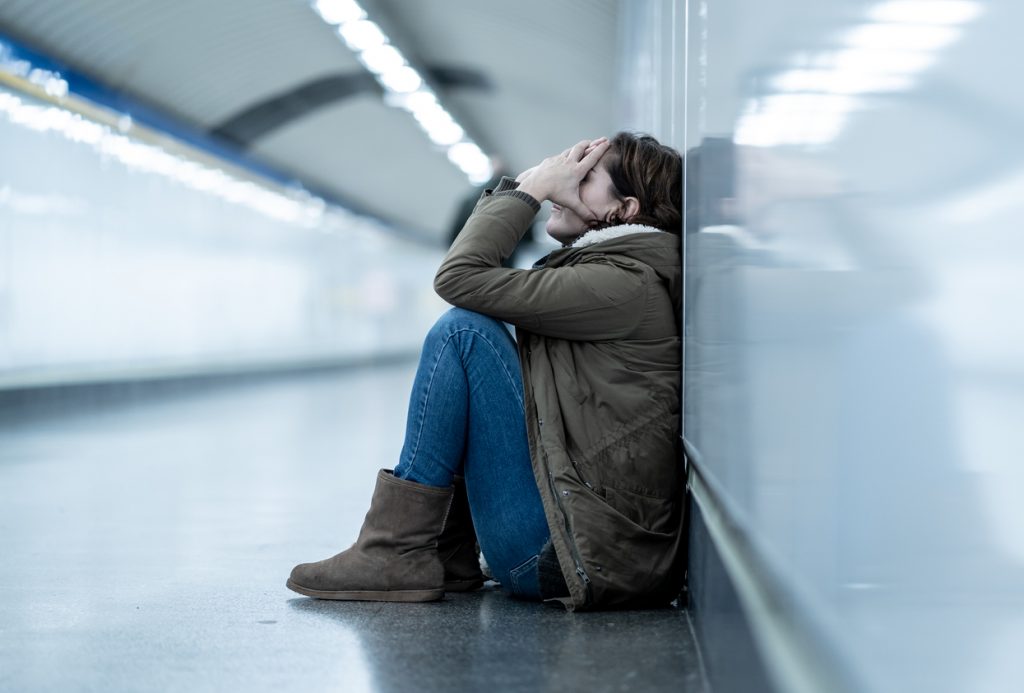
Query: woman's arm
x=598 y=299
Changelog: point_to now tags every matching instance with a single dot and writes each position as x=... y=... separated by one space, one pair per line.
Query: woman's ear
x=629 y=208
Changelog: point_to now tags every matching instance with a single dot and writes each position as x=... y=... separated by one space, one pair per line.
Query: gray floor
x=145 y=546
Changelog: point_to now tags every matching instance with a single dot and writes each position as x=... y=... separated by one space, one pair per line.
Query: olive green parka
x=597 y=327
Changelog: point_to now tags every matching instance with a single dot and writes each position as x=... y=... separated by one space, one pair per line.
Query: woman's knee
x=457 y=319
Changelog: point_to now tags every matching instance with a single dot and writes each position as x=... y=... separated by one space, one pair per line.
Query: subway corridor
x=146 y=542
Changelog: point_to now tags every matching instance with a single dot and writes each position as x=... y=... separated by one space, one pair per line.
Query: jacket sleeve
x=600 y=298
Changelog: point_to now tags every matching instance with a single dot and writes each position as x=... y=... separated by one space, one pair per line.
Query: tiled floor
x=145 y=546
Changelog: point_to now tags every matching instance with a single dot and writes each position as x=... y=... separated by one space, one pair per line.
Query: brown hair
x=652 y=172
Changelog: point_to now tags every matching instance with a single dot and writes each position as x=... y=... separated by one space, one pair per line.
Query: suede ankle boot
x=457 y=545
x=395 y=557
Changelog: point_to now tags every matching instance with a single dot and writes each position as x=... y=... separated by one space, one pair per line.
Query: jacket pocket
x=651 y=513
x=638 y=474
x=625 y=559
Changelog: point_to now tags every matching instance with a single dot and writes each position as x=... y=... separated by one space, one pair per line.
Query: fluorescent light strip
x=111 y=135
x=881 y=36
x=50 y=82
x=926 y=11
x=901 y=39
x=304 y=209
x=403 y=86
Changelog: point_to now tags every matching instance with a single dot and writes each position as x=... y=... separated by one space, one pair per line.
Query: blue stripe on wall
x=85 y=87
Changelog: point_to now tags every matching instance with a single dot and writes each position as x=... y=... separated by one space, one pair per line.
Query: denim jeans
x=466 y=417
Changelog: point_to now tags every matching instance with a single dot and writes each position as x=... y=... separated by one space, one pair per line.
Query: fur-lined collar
x=607 y=234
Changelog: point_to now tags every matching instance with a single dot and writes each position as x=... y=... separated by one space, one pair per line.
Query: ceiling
x=525 y=80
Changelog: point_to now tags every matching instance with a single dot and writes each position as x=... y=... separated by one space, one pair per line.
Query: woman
x=567 y=451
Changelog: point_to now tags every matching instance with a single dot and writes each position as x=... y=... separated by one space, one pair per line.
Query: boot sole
x=370 y=595
x=463 y=585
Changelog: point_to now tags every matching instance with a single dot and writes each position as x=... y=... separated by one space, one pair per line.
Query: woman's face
x=565 y=226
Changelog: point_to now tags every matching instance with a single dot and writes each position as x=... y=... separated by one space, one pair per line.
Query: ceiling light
x=445 y=134
x=468 y=157
x=361 y=34
x=884 y=55
x=404 y=87
x=926 y=11
x=153 y=159
x=895 y=37
x=429 y=112
x=418 y=100
x=880 y=62
x=839 y=81
x=796 y=119
x=807 y=103
x=383 y=58
x=339 y=11
x=403 y=79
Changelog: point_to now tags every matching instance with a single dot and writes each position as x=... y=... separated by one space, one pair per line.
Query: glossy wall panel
x=127 y=254
x=854 y=355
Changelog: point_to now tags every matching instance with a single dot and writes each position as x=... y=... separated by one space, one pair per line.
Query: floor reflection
x=487 y=639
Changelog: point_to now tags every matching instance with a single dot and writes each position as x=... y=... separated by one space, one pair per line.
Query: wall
x=853 y=368
x=127 y=253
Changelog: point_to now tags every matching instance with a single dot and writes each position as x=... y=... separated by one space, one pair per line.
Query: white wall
x=854 y=351
x=132 y=255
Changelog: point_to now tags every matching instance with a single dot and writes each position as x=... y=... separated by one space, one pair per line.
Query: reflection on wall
x=853 y=356
x=123 y=253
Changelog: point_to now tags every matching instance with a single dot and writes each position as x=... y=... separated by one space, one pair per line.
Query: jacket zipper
x=572 y=545
x=579 y=474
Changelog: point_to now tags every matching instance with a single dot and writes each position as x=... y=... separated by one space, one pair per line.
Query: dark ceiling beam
x=252 y=123
x=244 y=128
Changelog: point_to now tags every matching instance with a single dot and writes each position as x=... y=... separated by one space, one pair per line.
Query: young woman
x=564 y=440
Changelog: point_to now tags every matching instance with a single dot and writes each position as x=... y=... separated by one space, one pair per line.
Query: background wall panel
x=129 y=254
x=852 y=352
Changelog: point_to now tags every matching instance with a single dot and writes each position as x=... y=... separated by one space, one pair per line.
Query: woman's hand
x=522 y=176
x=558 y=177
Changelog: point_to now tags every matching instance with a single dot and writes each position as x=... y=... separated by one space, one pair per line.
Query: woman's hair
x=652 y=172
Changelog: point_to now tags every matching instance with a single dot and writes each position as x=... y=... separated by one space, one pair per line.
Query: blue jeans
x=466 y=417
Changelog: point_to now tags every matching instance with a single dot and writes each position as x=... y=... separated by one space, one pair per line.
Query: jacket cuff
x=507 y=188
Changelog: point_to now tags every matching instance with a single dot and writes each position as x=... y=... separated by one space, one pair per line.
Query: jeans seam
x=514 y=573
x=430 y=384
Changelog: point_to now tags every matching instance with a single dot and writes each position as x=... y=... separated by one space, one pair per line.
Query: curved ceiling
x=525 y=79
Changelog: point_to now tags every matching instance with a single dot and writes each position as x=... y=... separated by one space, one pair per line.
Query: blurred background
x=219 y=224
x=192 y=186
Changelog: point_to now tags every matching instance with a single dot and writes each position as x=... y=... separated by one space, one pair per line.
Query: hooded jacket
x=599 y=344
